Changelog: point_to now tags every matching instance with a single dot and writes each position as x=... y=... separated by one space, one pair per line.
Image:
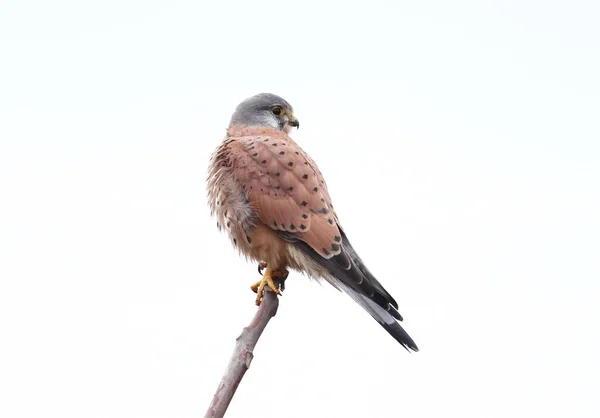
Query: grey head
x=265 y=109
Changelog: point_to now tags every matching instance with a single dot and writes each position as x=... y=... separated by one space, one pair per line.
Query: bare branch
x=242 y=355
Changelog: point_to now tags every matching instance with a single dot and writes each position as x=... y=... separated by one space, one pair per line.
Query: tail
x=383 y=316
x=349 y=274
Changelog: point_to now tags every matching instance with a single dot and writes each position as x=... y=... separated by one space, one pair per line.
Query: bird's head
x=265 y=109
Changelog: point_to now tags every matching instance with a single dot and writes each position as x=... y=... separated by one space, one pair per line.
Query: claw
x=273 y=279
x=282 y=280
x=261 y=266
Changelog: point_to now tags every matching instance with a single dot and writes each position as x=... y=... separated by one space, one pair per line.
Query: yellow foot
x=273 y=279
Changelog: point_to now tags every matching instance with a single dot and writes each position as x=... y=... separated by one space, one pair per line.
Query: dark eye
x=277 y=111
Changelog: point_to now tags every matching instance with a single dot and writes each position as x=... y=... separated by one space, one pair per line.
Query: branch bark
x=242 y=355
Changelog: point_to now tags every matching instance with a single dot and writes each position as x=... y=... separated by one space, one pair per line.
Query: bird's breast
x=228 y=201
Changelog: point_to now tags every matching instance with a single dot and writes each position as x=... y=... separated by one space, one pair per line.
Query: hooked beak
x=294 y=122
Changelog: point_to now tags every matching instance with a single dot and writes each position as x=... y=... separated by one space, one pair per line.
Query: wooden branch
x=242 y=355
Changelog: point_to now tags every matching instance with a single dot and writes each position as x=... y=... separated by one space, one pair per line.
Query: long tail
x=351 y=275
x=383 y=317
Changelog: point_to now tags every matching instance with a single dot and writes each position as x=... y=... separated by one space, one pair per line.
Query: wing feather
x=285 y=187
x=288 y=193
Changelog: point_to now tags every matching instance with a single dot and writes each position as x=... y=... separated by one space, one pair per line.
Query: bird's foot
x=273 y=279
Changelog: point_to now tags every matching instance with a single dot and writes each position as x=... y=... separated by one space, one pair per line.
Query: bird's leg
x=272 y=278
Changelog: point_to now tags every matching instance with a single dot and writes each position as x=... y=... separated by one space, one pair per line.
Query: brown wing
x=285 y=187
x=288 y=193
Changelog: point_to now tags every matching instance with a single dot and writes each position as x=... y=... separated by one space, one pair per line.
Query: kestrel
x=272 y=200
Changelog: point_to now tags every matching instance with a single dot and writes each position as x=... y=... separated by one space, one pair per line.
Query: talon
x=282 y=281
x=273 y=279
x=261 y=266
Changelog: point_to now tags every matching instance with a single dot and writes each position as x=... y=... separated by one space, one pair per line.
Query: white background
x=461 y=144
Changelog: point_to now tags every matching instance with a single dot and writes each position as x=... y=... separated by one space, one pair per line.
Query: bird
x=269 y=196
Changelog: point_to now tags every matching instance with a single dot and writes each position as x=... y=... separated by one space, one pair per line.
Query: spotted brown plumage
x=273 y=201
